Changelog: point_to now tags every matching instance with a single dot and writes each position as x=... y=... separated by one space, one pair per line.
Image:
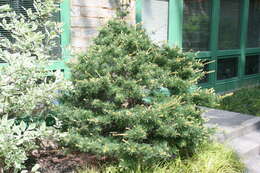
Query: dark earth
x=53 y=159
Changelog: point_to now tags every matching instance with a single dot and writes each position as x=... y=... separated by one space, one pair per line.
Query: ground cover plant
x=245 y=101
x=209 y=158
x=134 y=101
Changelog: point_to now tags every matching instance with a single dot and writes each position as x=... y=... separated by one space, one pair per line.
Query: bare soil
x=53 y=159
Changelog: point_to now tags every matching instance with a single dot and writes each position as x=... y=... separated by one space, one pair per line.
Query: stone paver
x=240 y=131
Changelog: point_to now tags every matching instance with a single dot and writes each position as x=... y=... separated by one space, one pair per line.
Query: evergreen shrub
x=133 y=100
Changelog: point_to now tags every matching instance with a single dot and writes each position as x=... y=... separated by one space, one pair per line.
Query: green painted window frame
x=175 y=39
x=65 y=39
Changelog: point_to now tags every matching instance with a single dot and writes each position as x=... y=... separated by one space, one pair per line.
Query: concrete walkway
x=241 y=132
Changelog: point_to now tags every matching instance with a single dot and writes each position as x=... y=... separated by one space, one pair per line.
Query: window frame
x=65 y=40
x=175 y=23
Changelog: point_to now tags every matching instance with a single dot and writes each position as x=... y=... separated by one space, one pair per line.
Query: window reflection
x=227 y=68
x=252 y=64
x=253 y=38
x=196 y=25
x=229 y=32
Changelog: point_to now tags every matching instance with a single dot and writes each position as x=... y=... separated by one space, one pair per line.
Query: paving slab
x=239 y=131
x=253 y=164
x=230 y=124
x=245 y=146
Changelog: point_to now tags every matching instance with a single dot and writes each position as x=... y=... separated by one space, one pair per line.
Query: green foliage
x=209 y=158
x=25 y=84
x=16 y=140
x=244 y=101
x=133 y=100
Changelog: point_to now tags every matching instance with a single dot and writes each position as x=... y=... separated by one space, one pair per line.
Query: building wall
x=87 y=16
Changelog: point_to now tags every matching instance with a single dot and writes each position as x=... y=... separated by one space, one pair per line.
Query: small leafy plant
x=16 y=140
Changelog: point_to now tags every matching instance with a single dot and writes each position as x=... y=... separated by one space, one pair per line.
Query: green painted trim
x=65 y=40
x=213 y=67
x=55 y=65
x=243 y=36
x=138 y=11
x=252 y=50
x=244 y=24
x=224 y=87
x=236 y=84
x=205 y=85
x=226 y=81
x=252 y=76
x=65 y=36
x=175 y=23
x=227 y=52
x=214 y=28
x=252 y=54
x=204 y=54
x=231 y=56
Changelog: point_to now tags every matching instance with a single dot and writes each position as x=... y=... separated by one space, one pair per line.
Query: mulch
x=58 y=160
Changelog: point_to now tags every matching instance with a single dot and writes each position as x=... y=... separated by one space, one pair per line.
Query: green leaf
x=17 y=130
x=31 y=126
x=23 y=126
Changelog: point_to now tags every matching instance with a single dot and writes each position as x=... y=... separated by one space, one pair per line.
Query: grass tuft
x=209 y=158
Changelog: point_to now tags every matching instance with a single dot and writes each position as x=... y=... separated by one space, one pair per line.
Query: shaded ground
x=55 y=160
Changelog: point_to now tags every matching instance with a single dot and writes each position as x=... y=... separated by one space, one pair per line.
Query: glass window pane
x=196 y=25
x=229 y=32
x=253 y=38
x=227 y=68
x=155 y=19
x=252 y=64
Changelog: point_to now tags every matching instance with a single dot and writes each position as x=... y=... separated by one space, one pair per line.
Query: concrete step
x=246 y=146
x=253 y=164
x=250 y=126
x=241 y=132
x=230 y=124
